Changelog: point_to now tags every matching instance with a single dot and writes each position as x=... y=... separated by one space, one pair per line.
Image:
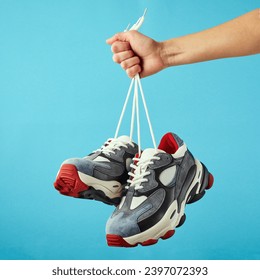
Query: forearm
x=238 y=37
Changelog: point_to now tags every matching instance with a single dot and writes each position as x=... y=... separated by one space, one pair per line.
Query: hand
x=136 y=53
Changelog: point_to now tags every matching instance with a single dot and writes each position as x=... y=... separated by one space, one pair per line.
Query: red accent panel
x=168 y=234
x=168 y=144
x=210 y=182
x=117 y=241
x=68 y=181
x=149 y=242
x=137 y=156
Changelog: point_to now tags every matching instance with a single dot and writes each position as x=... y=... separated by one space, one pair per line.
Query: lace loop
x=139 y=172
x=111 y=145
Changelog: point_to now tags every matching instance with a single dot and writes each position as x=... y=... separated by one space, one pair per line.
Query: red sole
x=118 y=241
x=210 y=181
x=68 y=181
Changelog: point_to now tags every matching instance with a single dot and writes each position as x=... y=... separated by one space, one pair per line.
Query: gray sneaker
x=100 y=175
x=161 y=183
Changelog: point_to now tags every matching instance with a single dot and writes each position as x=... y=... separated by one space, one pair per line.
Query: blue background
x=61 y=96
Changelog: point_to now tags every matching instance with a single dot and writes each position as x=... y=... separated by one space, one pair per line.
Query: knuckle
x=130 y=53
x=115 y=58
x=124 y=65
x=129 y=75
x=114 y=47
x=130 y=72
x=137 y=59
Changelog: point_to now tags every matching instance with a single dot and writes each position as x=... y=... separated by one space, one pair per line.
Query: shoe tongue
x=124 y=138
x=150 y=152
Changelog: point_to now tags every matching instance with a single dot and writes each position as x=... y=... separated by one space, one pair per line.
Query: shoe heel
x=206 y=184
x=182 y=220
x=210 y=182
x=68 y=181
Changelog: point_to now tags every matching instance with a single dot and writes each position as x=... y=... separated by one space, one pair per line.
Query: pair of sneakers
x=150 y=192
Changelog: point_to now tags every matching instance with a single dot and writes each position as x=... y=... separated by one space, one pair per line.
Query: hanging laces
x=136 y=81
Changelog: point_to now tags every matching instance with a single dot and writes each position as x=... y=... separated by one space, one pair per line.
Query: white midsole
x=111 y=189
x=167 y=222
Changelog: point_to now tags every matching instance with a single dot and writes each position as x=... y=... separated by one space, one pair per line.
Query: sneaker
x=100 y=175
x=161 y=183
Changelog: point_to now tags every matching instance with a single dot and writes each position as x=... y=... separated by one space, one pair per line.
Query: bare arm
x=238 y=37
x=140 y=54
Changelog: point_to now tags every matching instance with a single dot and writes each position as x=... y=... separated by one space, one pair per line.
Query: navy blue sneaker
x=100 y=175
x=161 y=183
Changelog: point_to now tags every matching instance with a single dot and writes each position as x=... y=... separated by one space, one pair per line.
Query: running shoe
x=161 y=183
x=100 y=175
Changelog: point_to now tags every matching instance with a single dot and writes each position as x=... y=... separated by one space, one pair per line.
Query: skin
x=137 y=53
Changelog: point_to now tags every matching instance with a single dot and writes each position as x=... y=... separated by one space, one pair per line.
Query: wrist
x=171 y=53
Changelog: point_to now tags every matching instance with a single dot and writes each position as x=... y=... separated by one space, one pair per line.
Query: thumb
x=122 y=36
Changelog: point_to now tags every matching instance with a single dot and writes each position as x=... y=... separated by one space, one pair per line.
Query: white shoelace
x=135 y=107
x=139 y=167
x=111 y=145
x=139 y=172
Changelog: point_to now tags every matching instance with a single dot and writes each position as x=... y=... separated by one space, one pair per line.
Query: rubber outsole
x=68 y=183
x=118 y=241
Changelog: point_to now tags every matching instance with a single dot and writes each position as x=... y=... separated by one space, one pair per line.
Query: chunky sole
x=72 y=183
x=174 y=216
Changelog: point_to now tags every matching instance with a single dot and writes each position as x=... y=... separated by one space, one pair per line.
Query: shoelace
x=135 y=107
x=139 y=172
x=139 y=168
x=111 y=145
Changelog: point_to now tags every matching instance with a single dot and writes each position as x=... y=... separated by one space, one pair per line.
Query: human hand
x=136 y=53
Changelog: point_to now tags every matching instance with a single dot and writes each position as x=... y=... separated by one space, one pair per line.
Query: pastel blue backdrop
x=61 y=96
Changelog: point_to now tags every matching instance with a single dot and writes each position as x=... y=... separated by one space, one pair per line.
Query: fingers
x=120 y=47
x=123 y=53
x=117 y=37
x=111 y=40
x=129 y=62
x=121 y=56
x=132 y=71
